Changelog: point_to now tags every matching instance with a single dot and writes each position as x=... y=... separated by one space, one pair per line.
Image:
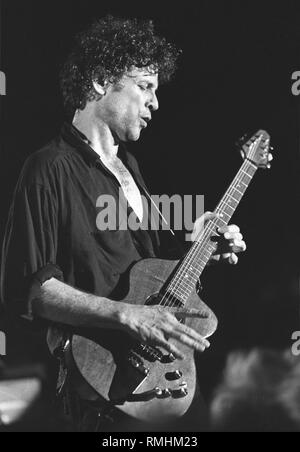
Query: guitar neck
x=192 y=266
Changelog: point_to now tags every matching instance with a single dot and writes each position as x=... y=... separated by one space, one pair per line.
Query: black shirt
x=52 y=229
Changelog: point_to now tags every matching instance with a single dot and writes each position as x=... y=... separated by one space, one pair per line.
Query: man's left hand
x=229 y=240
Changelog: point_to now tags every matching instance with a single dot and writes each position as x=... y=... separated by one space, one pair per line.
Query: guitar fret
x=211 y=249
x=238 y=191
x=205 y=253
x=184 y=287
x=177 y=294
x=220 y=219
x=191 y=275
x=224 y=213
x=202 y=249
x=228 y=205
x=188 y=282
x=181 y=297
x=245 y=172
x=232 y=197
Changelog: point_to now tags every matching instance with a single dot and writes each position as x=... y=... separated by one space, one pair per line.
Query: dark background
x=234 y=78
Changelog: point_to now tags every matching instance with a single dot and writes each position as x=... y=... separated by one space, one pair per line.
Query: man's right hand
x=154 y=325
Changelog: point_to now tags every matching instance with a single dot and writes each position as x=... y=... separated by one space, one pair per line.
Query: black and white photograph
x=149 y=227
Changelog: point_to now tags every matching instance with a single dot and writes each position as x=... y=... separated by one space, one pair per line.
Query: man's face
x=127 y=105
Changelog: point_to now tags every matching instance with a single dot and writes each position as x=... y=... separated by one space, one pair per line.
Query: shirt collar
x=77 y=139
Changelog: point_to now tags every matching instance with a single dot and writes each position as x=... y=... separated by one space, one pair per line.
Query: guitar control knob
x=179 y=393
x=165 y=393
x=145 y=396
x=170 y=376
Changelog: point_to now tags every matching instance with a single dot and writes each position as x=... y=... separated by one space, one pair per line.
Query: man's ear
x=100 y=89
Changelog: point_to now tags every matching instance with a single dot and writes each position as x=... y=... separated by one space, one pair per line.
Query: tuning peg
x=270 y=157
x=268 y=166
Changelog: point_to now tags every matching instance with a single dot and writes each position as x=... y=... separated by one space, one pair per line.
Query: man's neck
x=98 y=134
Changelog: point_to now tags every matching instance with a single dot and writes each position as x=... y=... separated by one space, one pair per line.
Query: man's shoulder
x=46 y=161
x=51 y=153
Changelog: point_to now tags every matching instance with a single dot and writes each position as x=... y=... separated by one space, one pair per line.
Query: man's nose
x=153 y=103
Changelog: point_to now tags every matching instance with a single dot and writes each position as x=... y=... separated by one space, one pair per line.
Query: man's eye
x=143 y=87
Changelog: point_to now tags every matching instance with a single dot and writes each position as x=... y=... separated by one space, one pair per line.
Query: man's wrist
x=110 y=313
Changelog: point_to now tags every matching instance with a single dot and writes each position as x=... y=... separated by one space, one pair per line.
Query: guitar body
x=105 y=360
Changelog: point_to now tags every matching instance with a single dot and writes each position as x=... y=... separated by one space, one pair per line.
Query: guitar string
x=209 y=229
x=238 y=178
x=171 y=300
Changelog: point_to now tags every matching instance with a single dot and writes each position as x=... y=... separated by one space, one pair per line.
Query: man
x=57 y=266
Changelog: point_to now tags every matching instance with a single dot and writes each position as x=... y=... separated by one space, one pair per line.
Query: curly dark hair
x=109 y=48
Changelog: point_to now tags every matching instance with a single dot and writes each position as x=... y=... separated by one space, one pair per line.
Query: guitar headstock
x=257 y=149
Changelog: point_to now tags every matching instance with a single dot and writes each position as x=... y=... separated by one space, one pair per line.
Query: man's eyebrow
x=142 y=78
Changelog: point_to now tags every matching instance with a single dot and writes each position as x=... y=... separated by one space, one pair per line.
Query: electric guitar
x=141 y=380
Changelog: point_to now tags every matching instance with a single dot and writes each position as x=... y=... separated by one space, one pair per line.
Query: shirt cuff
x=37 y=280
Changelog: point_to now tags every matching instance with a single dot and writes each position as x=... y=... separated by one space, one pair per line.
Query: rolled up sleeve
x=30 y=247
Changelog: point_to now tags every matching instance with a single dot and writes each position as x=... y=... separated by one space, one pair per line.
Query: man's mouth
x=145 y=121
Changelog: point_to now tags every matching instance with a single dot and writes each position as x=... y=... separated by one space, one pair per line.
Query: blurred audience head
x=260 y=392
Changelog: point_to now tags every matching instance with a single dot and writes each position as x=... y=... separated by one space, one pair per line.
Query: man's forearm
x=59 y=302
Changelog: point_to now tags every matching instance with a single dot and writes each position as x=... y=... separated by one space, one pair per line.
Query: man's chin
x=129 y=135
x=133 y=136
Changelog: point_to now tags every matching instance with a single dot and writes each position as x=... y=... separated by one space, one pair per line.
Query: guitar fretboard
x=192 y=266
